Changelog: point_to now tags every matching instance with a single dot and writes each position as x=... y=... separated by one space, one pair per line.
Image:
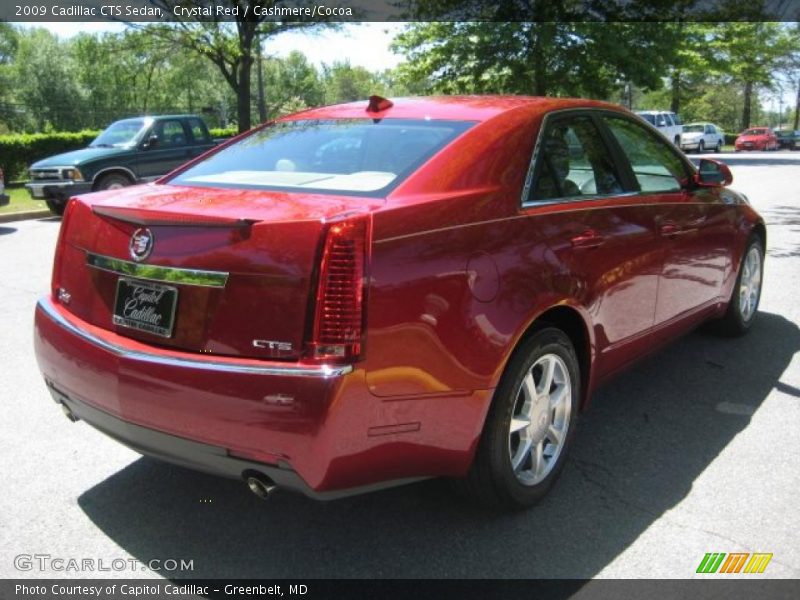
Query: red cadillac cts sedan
x=367 y=294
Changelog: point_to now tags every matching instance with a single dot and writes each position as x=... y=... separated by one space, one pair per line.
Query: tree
x=292 y=81
x=229 y=45
x=751 y=53
x=346 y=83
x=43 y=80
x=539 y=58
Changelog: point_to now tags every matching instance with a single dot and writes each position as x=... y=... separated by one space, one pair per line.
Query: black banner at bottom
x=407 y=589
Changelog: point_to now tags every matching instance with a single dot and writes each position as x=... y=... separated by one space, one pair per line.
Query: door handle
x=588 y=239
x=669 y=229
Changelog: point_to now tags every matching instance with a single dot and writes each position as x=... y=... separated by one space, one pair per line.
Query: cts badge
x=141 y=244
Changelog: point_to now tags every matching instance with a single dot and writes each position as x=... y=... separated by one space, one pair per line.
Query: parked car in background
x=666 y=122
x=129 y=151
x=756 y=138
x=788 y=138
x=363 y=295
x=4 y=199
x=702 y=137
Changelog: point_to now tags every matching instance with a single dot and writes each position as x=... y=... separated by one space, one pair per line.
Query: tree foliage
x=553 y=58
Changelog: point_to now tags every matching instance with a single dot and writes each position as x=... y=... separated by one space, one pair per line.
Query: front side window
x=655 y=166
x=572 y=160
x=350 y=156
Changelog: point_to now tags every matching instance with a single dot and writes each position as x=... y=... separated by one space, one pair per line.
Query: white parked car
x=666 y=122
x=702 y=137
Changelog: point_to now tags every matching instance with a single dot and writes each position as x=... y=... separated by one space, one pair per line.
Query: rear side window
x=655 y=166
x=345 y=156
x=199 y=132
x=572 y=160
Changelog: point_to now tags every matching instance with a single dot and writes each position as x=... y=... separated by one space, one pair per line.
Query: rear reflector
x=339 y=311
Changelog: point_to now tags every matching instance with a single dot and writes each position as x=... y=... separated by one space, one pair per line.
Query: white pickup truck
x=666 y=122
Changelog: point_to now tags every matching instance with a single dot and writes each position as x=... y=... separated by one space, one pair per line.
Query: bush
x=18 y=151
x=218 y=132
x=730 y=138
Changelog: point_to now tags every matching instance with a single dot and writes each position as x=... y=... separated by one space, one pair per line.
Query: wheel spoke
x=522 y=452
x=557 y=397
x=546 y=382
x=554 y=435
x=531 y=394
x=518 y=424
x=537 y=459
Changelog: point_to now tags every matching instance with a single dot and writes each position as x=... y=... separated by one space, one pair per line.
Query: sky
x=363 y=44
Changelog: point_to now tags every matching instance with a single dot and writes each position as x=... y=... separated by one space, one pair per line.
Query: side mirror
x=150 y=142
x=712 y=173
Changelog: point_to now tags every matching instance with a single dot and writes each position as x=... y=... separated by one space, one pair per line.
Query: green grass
x=21 y=201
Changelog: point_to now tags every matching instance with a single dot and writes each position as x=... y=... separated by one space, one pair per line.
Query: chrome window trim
x=599 y=112
x=206 y=364
x=176 y=275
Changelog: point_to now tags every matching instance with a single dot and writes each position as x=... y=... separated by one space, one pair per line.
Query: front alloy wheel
x=743 y=305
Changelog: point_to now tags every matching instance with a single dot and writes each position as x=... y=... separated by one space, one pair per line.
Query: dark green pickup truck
x=129 y=151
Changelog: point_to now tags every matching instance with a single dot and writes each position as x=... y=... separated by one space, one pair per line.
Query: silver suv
x=666 y=122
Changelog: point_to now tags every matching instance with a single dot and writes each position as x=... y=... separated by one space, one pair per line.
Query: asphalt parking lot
x=695 y=450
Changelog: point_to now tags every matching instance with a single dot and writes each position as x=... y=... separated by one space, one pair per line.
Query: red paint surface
x=457 y=271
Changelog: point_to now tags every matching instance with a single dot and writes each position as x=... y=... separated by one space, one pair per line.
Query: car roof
x=467 y=108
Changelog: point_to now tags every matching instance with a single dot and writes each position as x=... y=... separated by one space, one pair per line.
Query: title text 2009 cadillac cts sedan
x=366 y=294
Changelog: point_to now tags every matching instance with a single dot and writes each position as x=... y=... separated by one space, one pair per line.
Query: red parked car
x=363 y=295
x=757 y=138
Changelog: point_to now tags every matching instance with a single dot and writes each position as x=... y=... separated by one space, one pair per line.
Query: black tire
x=701 y=147
x=112 y=181
x=492 y=481
x=718 y=147
x=734 y=322
x=57 y=208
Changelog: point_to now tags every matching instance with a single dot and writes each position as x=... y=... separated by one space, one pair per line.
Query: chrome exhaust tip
x=261 y=486
x=69 y=414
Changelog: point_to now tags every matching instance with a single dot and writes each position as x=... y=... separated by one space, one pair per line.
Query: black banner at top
x=163 y=11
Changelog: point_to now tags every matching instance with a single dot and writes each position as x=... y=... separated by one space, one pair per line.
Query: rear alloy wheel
x=530 y=425
x=718 y=147
x=746 y=294
x=701 y=147
x=112 y=181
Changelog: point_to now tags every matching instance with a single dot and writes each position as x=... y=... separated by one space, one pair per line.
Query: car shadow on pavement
x=7 y=230
x=646 y=438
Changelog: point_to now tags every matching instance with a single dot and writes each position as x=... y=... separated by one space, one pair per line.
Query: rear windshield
x=755 y=132
x=342 y=156
x=694 y=128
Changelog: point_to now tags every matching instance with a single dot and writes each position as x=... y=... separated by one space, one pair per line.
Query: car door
x=603 y=236
x=165 y=148
x=693 y=224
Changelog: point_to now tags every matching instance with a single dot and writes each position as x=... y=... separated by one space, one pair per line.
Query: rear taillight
x=55 y=283
x=339 y=309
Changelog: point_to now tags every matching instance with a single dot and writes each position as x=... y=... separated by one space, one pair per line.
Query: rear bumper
x=58 y=191
x=311 y=428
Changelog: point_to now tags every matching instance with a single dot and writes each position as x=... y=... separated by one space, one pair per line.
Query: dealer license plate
x=145 y=306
